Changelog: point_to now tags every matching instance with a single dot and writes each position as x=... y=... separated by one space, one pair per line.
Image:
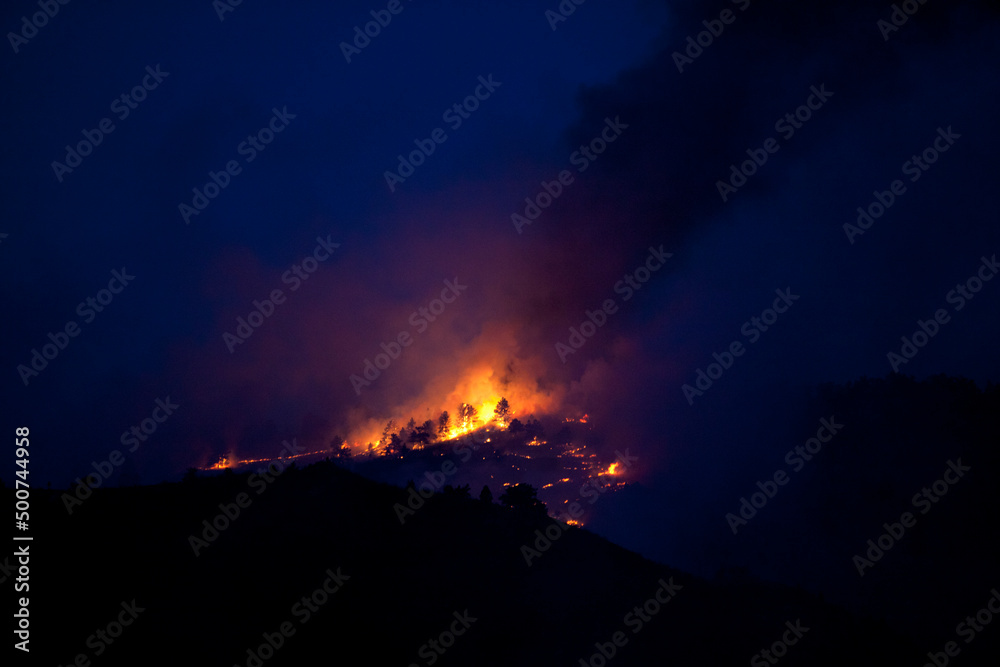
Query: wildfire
x=221 y=464
x=576 y=461
x=233 y=462
x=471 y=401
x=482 y=406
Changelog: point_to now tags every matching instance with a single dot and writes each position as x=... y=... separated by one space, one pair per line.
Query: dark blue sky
x=323 y=176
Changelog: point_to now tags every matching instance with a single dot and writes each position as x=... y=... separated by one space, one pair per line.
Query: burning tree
x=501 y=413
x=340 y=448
x=383 y=442
x=422 y=434
x=444 y=424
x=468 y=416
x=428 y=428
x=396 y=445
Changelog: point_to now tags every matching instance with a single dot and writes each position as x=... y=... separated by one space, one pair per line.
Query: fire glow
x=489 y=412
x=470 y=403
x=234 y=462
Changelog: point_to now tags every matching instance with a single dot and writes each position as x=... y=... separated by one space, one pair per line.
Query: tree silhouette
x=457 y=492
x=340 y=448
x=522 y=498
x=502 y=412
x=396 y=444
x=444 y=424
x=421 y=435
x=486 y=495
x=468 y=415
x=515 y=426
x=428 y=428
x=384 y=440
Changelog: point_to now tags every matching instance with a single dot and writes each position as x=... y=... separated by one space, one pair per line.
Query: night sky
x=721 y=180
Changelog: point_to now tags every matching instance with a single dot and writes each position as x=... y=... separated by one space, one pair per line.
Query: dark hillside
x=406 y=583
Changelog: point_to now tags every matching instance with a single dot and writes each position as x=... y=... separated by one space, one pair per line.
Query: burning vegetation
x=500 y=450
x=479 y=415
x=490 y=416
x=231 y=461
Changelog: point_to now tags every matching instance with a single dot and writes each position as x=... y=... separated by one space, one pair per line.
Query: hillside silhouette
x=214 y=565
x=406 y=584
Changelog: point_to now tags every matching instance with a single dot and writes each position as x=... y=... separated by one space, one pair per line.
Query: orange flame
x=481 y=387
